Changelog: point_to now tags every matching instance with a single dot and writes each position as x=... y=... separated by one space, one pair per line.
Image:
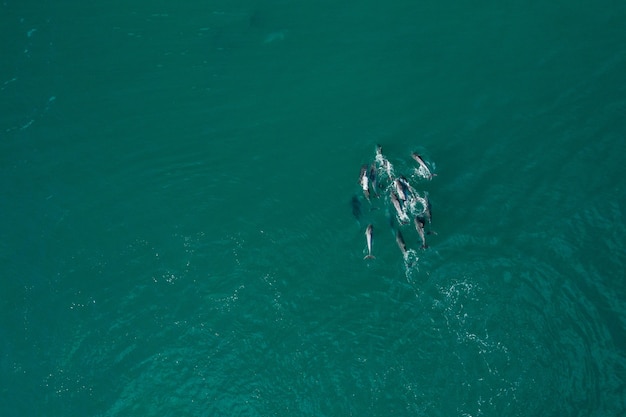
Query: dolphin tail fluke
x=369 y=257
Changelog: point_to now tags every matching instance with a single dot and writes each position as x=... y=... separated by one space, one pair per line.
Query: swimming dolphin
x=427 y=208
x=368 y=236
x=406 y=187
x=383 y=162
x=419 y=226
x=400 y=189
x=400 y=241
x=364 y=181
x=356 y=207
x=422 y=164
x=379 y=154
x=404 y=219
x=373 y=179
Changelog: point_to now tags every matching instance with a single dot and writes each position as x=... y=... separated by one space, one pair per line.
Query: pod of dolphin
x=378 y=180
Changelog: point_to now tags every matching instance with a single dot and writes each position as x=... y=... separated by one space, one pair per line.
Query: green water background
x=176 y=234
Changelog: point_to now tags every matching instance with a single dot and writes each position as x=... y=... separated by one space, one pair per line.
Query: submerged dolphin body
x=400 y=242
x=373 y=177
x=427 y=209
x=356 y=207
x=419 y=226
x=368 y=236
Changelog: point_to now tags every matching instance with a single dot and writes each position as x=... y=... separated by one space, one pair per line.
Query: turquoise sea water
x=177 y=238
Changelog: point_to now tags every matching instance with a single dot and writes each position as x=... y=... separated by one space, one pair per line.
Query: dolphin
x=384 y=162
x=419 y=226
x=404 y=219
x=406 y=187
x=418 y=158
x=427 y=208
x=368 y=236
x=400 y=241
x=400 y=189
x=379 y=153
x=356 y=207
x=364 y=181
x=373 y=179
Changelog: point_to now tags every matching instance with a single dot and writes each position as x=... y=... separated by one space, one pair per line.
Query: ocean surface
x=182 y=223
